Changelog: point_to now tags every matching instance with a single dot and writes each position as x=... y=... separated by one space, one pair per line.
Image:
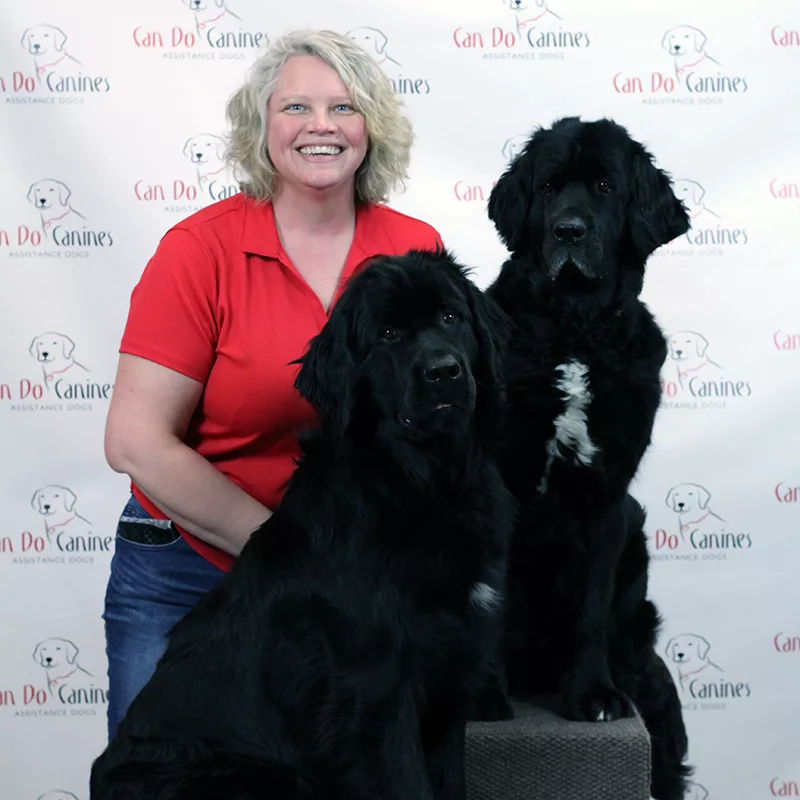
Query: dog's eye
x=604 y=186
x=547 y=188
x=449 y=318
x=389 y=334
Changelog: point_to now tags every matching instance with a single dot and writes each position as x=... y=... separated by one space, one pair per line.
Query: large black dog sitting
x=336 y=659
x=581 y=209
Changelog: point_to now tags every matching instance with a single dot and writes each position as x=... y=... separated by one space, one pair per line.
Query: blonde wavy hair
x=389 y=131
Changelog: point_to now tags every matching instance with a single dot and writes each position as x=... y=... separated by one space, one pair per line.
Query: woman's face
x=315 y=138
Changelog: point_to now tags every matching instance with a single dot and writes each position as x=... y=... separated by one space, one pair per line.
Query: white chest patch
x=571 y=430
x=485 y=598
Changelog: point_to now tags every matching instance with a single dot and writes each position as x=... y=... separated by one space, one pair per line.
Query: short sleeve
x=172 y=317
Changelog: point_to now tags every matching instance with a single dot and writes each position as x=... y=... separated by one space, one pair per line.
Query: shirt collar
x=260 y=234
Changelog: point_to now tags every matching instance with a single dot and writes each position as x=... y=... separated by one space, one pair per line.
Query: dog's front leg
x=443 y=738
x=589 y=693
x=403 y=766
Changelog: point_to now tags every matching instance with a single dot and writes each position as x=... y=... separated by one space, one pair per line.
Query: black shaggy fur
x=581 y=209
x=336 y=659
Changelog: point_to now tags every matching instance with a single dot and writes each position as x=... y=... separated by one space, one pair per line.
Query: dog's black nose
x=47 y=506
x=679 y=353
x=680 y=505
x=570 y=230
x=45 y=353
x=445 y=368
x=48 y=659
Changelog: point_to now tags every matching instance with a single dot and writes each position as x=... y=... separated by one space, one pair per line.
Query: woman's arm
x=147 y=419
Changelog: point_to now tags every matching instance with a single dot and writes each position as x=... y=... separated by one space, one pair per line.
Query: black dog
x=581 y=209
x=337 y=657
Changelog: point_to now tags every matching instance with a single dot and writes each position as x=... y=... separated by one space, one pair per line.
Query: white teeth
x=321 y=150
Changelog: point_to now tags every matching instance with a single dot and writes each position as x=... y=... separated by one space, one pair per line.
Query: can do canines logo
x=703 y=684
x=711 y=234
x=530 y=29
x=376 y=43
x=56 y=226
x=62 y=686
x=60 y=382
x=690 y=71
x=696 y=531
x=691 y=379
x=206 y=178
x=53 y=72
x=60 y=532
x=209 y=29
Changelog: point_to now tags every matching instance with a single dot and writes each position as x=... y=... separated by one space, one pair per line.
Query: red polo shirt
x=221 y=302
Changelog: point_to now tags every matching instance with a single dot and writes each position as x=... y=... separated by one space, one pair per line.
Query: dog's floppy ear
x=511 y=198
x=702 y=646
x=187 y=148
x=34 y=505
x=668 y=648
x=699 y=39
x=70 y=498
x=60 y=38
x=329 y=373
x=655 y=215
x=63 y=193
x=701 y=344
x=382 y=41
x=37 y=652
x=670 y=498
x=67 y=345
x=72 y=651
x=32 y=348
x=25 y=41
x=32 y=194
x=698 y=193
x=705 y=496
x=665 y=40
x=220 y=150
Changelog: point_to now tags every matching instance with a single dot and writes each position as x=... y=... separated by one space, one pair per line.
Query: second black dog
x=581 y=209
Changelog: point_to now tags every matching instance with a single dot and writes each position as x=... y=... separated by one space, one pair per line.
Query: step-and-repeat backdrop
x=113 y=129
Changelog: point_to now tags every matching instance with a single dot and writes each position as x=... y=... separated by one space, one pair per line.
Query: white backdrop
x=101 y=104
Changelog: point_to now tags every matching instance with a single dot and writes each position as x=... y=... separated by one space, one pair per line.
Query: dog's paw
x=596 y=702
x=491 y=706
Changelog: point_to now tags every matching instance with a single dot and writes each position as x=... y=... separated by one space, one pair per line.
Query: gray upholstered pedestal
x=541 y=756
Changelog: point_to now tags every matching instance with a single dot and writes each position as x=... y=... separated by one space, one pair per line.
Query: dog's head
x=688 y=648
x=370 y=39
x=49 y=347
x=686 y=498
x=687 y=346
x=683 y=39
x=43 y=39
x=411 y=351
x=50 y=500
x=47 y=193
x=55 y=652
x=689 y=192
x=204 y=148
x=586 y=205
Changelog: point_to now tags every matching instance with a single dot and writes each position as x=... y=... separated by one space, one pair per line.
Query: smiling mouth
x=317 y=151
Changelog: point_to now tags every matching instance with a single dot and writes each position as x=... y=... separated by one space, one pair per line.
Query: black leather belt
x=147 y=531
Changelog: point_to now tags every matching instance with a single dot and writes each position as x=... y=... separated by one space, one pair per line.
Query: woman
x=204 y=411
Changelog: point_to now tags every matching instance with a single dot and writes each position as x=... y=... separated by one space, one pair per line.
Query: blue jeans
x=154 y=582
